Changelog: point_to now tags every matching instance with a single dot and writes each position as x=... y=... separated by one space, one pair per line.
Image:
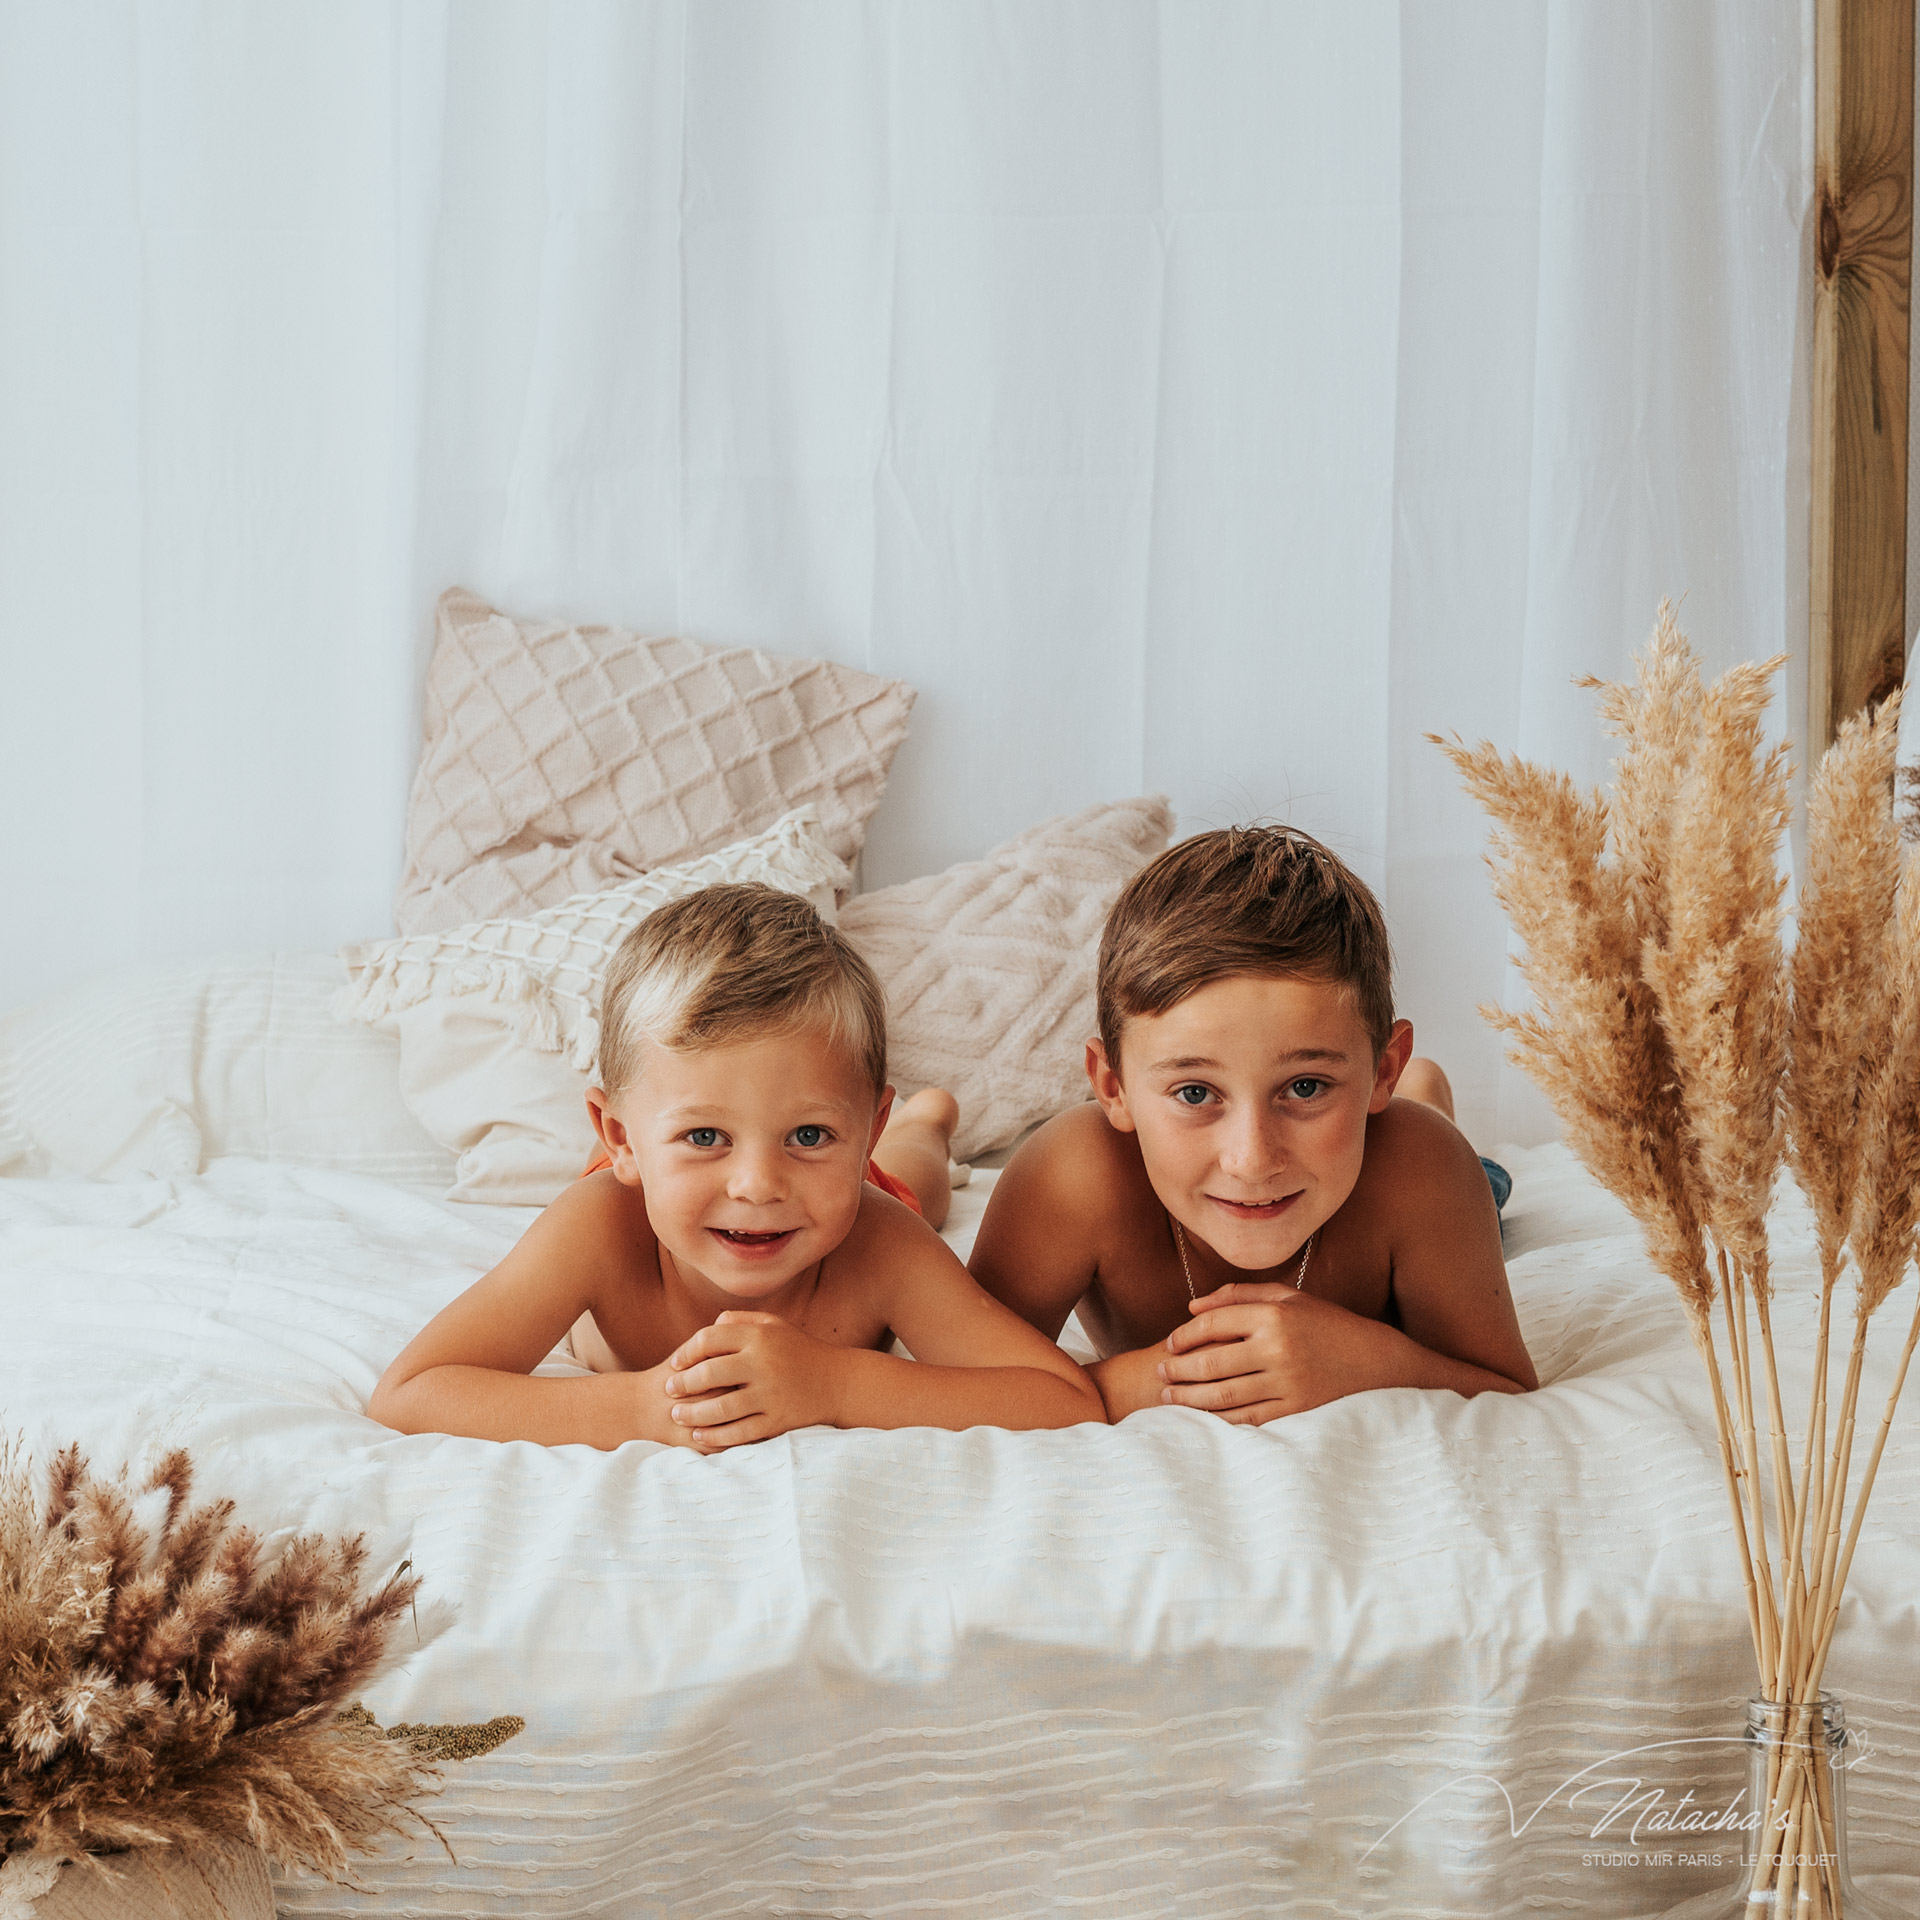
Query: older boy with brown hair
x=1246 y=1218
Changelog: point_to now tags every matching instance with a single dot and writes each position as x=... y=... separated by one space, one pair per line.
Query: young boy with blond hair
x=1246 y=1217
x=735 y=1265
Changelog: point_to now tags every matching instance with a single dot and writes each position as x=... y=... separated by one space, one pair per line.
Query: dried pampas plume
x=1717 y=974
x=1887 y=1203
x=1685 y=1053
x=161 y=1685
x=1657 y=719
x=1839 y=975
x=1594 y=1045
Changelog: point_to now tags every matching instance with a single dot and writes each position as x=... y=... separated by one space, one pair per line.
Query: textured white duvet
x=1173 y=1668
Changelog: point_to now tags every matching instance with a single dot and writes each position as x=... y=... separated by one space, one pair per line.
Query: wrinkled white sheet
x=1169 y=1668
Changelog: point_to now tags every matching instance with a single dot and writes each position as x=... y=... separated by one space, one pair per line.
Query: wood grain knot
x=1827 y=235
x=1890 y=674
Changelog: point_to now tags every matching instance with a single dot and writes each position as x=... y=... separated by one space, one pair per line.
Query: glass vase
x=1793 y=1862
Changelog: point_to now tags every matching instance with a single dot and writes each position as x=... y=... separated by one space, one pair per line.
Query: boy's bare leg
x=1423 y=1081
x=914 y=1149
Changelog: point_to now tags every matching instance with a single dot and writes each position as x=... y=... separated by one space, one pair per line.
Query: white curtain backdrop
x=1210 y=396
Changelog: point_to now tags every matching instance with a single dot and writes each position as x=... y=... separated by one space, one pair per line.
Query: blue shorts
x=1499 y=1179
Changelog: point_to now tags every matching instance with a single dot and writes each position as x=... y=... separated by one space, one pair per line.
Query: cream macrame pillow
x=499 y=1021
x=988 y=966
x=560 y=760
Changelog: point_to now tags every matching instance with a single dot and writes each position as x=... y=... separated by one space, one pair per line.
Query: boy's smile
x=753 y=1245
x=1250 y=1099
x=1254 y=1209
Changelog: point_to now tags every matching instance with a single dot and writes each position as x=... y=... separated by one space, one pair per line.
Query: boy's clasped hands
x=1245 y=1218
x=1257 y=1349
x=750 y=1376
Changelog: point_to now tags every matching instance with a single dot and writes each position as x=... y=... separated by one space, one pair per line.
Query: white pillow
x=154 y=1071
x=499 y=1022
x=989 y=966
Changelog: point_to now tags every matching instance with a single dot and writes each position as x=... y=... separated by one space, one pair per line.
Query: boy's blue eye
x=1305 y=1089
x=703 y=1136
x=1191 y=1096
x=810 y=1136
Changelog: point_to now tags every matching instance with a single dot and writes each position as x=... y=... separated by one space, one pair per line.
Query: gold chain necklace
x=1186 y=1272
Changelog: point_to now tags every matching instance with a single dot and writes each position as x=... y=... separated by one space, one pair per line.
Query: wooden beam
x=1863 y=256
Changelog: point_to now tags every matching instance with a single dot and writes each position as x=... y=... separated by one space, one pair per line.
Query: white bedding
x=1168 y=1668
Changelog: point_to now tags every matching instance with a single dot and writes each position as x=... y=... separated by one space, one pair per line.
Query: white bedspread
x=1171 y=1668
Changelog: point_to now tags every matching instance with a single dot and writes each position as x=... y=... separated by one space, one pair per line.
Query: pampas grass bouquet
x=1690 y=1051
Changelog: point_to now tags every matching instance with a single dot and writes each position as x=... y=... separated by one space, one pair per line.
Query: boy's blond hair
x=734 y=963
x=1242 y=900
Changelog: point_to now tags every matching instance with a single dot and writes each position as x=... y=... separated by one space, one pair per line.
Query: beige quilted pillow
x=561 y=760
x=499 y=1022
x=988 y=966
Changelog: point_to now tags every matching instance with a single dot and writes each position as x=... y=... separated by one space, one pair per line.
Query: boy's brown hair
x=733 y=963
x=1242 y=900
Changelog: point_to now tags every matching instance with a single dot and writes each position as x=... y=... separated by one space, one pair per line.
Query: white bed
x=1173 y=1668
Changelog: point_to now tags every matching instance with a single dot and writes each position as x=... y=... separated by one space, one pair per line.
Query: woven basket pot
x=152 y=1883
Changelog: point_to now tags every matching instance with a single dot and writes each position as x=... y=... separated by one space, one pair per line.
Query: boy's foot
x=931 y=1106
x=914 y=1148
x=1424 y=1081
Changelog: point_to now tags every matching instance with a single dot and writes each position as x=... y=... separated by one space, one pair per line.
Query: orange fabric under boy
x=877 y=1175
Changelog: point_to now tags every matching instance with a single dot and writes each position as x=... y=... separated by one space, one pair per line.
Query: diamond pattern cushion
x=989 y=966
x=560 y=760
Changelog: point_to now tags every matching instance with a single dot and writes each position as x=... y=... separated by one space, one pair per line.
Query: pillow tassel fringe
x=392 y=986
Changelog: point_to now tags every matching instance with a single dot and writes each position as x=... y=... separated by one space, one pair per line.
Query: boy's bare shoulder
x=889 y=1249
x=1416 y=1160
x=595 y=1217
x=597 y=1195
x=1080 y=1164
x=887 y=1235
x=1068 y=1204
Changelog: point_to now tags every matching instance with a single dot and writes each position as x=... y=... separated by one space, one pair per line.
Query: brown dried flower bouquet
x=160 y=1685
x=1686 y=1054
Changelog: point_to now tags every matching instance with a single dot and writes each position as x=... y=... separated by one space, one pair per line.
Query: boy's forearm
x=604 y=1410
x=1408 y=1364
x=1129 y=1381
x=1371 y=1355
x=883 y=1390
x=1396 y=1359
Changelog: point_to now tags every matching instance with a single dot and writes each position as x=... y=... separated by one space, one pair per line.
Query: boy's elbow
x=1081 y=1402
x=1516 y=1374
x=1520 y=1379
x=390 y=1401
